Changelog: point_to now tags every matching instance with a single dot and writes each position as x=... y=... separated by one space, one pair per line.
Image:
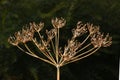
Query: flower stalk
x=58 y=73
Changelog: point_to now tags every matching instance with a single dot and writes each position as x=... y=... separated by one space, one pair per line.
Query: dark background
x=16 y=65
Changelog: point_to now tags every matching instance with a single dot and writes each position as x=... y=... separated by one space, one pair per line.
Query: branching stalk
x=70 y=52
x=81 y=57
x=44 y=53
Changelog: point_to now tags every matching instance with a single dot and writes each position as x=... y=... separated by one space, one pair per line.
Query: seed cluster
x=51 y=49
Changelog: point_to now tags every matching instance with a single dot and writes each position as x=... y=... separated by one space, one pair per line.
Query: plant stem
x=58 y=73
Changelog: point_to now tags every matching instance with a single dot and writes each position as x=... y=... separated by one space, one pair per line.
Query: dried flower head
x=58 y=22
x=55 y=55
x=80 y=30
x=98 y=40
x=13 y=41
x=27 y=34
x=37 y=27
x=23 y=36
x=51 y=34
x=92 y=29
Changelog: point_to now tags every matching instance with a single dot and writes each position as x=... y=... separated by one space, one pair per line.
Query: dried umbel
x=50 y=48
x=58 y=22
x=23 y=36
x=80 y=30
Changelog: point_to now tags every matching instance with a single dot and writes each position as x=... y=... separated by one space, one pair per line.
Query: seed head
x=80 y=30
x=23 y=36
x=37 y=27
x=51 y=34
x=58 y=22
x=71 y=48
x=92 y=29
x=50 y=45
x=98 y=40
x=13 y=41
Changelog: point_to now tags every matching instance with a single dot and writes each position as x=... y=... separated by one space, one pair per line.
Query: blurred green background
x=16 y=65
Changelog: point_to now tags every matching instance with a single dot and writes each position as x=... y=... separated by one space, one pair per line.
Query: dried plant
x=50 y=48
